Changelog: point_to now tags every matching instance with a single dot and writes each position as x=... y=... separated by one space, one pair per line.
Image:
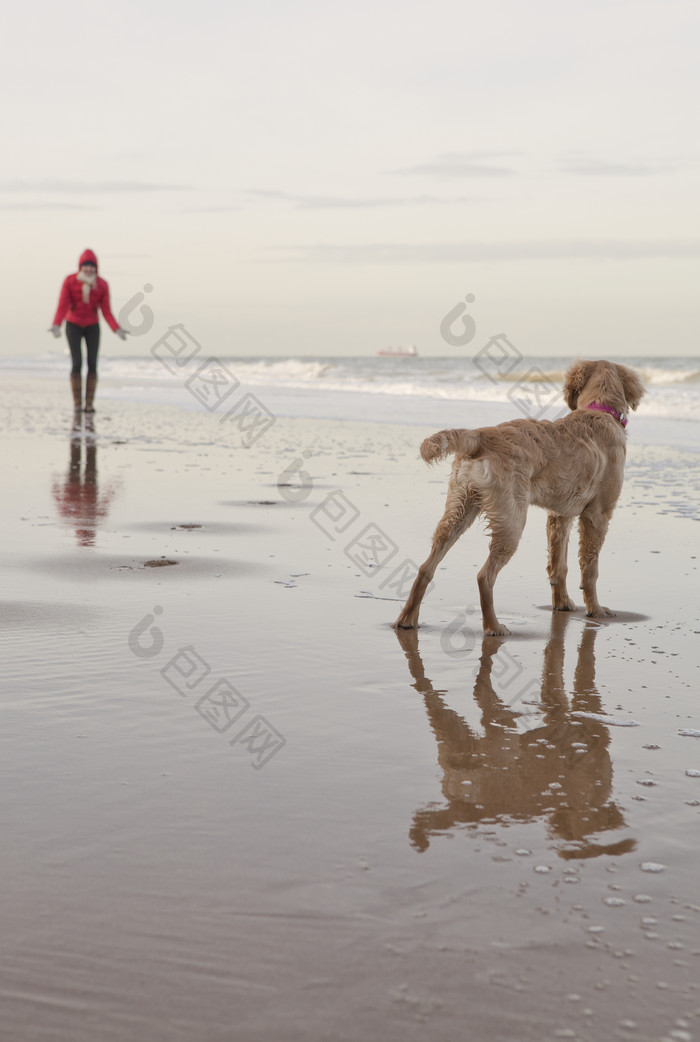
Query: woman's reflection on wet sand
x=78 y=498
x=559 y=771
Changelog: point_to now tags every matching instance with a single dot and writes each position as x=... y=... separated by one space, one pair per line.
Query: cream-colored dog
x=572 y=467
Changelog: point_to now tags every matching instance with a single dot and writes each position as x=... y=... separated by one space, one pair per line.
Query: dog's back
x=555 y=465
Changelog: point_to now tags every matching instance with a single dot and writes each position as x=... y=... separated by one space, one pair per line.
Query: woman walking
x=82 y=295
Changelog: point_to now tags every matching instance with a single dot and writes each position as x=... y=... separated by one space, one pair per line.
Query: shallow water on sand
x=428 y=835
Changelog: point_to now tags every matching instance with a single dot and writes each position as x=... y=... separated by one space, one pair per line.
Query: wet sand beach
x=237 y=805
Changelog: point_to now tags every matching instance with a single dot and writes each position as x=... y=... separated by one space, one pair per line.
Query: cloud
x=491 y=164
x=49 y=184
x=333 y=202
x=210 y=209
x=484 y=252
x=46 y=206
x=464 y=164
x=604 y=168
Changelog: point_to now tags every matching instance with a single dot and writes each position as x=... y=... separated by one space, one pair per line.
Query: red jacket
x=70 y=303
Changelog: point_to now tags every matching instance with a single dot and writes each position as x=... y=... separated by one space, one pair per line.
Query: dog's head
x=608 y=382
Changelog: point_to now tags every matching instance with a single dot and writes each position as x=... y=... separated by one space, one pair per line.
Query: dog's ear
x=576 y=379
x=631 y=385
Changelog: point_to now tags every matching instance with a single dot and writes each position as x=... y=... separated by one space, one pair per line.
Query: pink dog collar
x=606 y=408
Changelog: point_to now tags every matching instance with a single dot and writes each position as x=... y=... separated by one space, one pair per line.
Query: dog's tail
x=440 y=445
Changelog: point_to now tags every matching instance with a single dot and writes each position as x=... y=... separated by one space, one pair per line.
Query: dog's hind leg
x=460 y=513
x=504 y=543
x=558 y=529
x=593 y=526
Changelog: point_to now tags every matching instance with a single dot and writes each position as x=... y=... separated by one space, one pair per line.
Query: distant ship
x=400 y=352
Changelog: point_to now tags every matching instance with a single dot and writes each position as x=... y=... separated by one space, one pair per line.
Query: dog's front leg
x=558 y=529
x=592 y=531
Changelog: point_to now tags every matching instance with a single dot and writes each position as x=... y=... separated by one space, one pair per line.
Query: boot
x=90 y=385
x=76 y=384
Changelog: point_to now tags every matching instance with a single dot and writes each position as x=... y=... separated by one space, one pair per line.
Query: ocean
x=493 y=385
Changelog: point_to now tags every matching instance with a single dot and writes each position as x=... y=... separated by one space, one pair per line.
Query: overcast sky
x=333 y=178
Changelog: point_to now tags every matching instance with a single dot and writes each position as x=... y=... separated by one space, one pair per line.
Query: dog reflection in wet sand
x=560 y=771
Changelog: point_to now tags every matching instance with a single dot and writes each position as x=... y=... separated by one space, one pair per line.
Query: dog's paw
x=565 y=605
x=497 y=631
x=600 y=613
x=402 y=624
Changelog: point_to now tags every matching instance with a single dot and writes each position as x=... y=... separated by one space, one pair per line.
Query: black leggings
x=75 y=334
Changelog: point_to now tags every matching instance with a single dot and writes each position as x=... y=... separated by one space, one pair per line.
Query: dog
x=572 y=467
